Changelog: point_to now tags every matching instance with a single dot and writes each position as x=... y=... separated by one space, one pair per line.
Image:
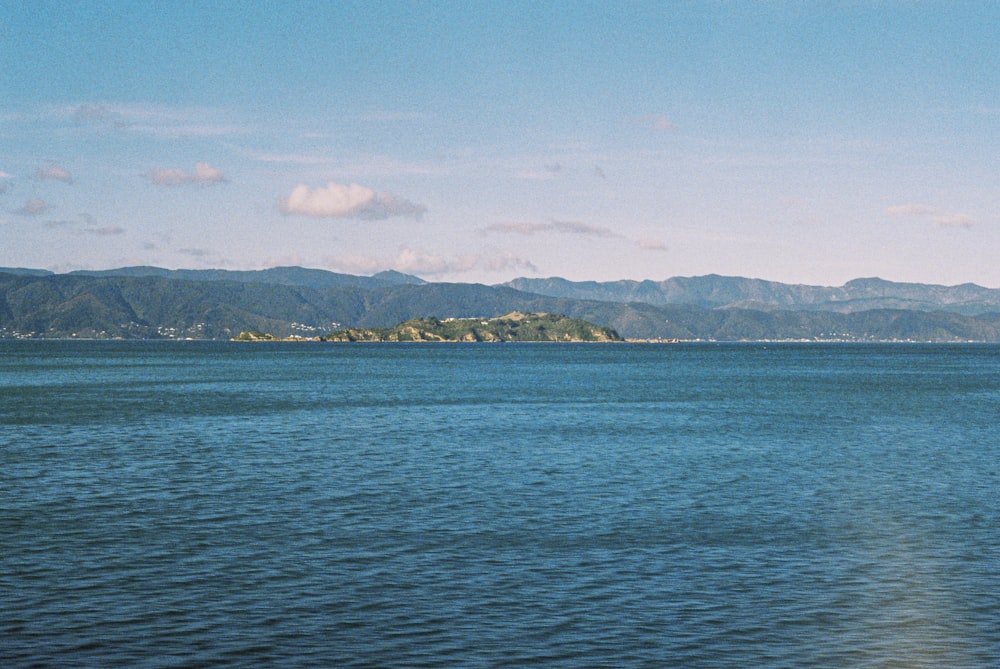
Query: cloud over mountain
x=353 y=201
x=423 y=263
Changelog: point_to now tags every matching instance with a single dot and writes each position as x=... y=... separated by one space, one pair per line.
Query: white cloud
x=945 y=219
x=167 y=177
x=422 y=263
x=54 y=173
x=203 y=173
x=353 y=201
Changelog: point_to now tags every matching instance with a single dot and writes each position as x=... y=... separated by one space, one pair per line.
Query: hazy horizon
x=481 y=142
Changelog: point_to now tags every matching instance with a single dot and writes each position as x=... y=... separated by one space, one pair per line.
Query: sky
x=472 y=141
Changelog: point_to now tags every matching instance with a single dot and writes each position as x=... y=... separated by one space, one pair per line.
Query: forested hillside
x=308 y=303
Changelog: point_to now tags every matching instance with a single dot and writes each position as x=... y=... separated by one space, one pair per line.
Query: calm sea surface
x=215 y=504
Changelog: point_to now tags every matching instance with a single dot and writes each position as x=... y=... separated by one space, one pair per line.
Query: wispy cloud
x=196 y=252
x=651 y=245
x=293 y=158
x=89 y=226
x=954 y=220
x=425 y=264
x=190 y=130
x=656 y=122
x=106 y=231
x=87 y=114
x=941 y=217
x=154 y=120
x=353 y=201
x=911 y=210
x=394 y=116
x=371 y=166
x=569 y=228
x=561 y=227
x=547 y=173
x=379 y=166
x=55 y=225
x=203 y=173
x=33 y=207
x=54 y=173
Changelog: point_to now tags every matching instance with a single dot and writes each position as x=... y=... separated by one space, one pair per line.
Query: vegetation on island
x=254 y=336
x=513 y=327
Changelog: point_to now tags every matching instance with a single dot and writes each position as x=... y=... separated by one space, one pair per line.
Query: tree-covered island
x=513 y=327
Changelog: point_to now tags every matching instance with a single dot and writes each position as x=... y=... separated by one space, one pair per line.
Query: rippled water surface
x=214 y=504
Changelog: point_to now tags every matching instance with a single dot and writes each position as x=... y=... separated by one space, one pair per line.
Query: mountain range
x=715 y=291
x=150 y=302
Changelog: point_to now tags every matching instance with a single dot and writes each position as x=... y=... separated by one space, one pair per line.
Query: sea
x=217 y=504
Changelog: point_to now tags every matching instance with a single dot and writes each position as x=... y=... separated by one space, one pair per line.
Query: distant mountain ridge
x=710 y=291
x=143 y=302
x=286 y=276
x=714 y=291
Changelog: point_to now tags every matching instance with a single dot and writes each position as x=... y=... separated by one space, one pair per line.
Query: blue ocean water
x=184 y=504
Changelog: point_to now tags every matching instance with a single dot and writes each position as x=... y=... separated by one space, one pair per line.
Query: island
x=255 y=336
x=512 y=327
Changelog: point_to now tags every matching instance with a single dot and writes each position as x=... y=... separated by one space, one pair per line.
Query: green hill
x=513 y=327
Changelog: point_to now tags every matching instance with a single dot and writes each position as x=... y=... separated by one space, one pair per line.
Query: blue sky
x=476 y=142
